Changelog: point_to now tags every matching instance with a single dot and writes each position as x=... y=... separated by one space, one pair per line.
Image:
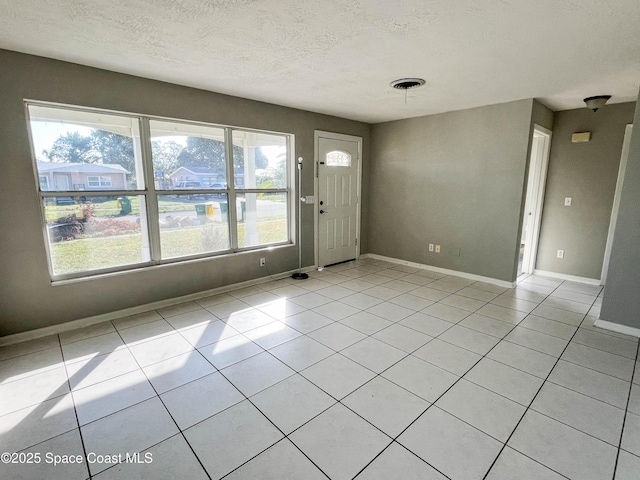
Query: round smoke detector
x=407 y=83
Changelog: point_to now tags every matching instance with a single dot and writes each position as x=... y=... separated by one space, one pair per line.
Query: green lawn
x=104 y=252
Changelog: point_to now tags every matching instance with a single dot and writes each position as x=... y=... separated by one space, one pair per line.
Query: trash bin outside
x=201 y=212
x=124 y=204
x=209 y=210
x=204 y=211
x=224 y=211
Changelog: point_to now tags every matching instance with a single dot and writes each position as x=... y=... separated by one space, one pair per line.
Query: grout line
x=626 y=410
x=531 y=402
x=75 y=411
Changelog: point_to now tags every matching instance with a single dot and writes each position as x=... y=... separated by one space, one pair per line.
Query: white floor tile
x=512 y=464
x=490 y=326
x=170 y=459
x=410 y=301
x=523 y=358
x=422 y=378
x=391 y=311
x=198 y=400
x=229 y=351
x=292 y=402
x=607 y=343
x=472 y=340
x=107 y=397
x=540 y=342
x=495 y=415
x=176 y=371
x=281 y=308
x=98 y=369
x=128 y=431
x=135 y=320
x=563 y=449
x=589 y=382
x=601 y=361
x=445 y=312
x=628 y=466
x=191 y=319
x=35 y=424
x=208 y=333
x=231 y=438
x=514 y=303
x=558 y=315
x=340 y=442
x=463 y=303
x=453 y=447
x=310 y=300
x=584 y=413
x=397 y=463
x=361 y=301
x=214 y=300
x=32 y=346
x=550 y=327
x=377 y=402
x=282 y=461
x=477 y=294
x=373 y=354
x=631 y=434
x=337 y=336
x=226 y=309
x=429 y=294
x=33 y=390
x=401 y=337
x=338 y=375
x=426 y=324
x=335 y=310
x=248 y=320
x=366 y=322
x=160 y=349
x=178 y=309
x=146 y=332
x=301 y=352
x=272 y=334
x=447 y=356
x=254 y=374
x=307 y=321
x=92 y=347
x=65 y=444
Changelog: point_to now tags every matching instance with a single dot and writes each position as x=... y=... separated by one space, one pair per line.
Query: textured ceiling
x=338 y=57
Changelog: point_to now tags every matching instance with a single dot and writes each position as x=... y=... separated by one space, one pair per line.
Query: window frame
x=150 y=194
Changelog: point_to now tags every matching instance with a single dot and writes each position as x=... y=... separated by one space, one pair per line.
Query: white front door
x=337 y=205
x=61 y=182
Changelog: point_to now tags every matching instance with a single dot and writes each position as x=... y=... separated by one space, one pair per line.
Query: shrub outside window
x=121 y=191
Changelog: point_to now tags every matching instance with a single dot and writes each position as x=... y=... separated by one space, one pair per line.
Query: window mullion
x=153 y=215
x=231 y=185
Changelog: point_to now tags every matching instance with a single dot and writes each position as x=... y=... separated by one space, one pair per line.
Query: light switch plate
x=560 y=254
x=567 y=201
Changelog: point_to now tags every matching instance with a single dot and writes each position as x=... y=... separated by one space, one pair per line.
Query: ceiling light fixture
x=407 y=83
x=594 y=103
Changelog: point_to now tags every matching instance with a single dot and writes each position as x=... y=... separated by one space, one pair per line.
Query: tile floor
x=367 y=370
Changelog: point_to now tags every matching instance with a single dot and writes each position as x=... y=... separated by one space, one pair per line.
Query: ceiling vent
x=407 y=83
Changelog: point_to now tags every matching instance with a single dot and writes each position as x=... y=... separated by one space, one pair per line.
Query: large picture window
x=122 y=191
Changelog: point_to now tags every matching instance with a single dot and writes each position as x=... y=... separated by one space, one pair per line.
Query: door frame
x=622 y=169
x=539 y=166
x=317 y=135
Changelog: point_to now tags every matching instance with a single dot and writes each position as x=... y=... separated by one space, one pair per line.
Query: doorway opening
x=537 y=179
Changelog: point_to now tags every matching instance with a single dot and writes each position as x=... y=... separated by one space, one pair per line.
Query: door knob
x=323 y=211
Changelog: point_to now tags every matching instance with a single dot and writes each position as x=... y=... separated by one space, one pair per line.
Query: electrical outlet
x=263 y=262
x=437 y=248
x=560 y=254
x=431 y=247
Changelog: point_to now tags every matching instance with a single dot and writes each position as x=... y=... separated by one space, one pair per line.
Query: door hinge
x=356 y=242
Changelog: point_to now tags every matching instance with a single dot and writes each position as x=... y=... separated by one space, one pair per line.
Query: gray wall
x=621 y=302
x=586 y=172
x=27 y=298
x=454 y=179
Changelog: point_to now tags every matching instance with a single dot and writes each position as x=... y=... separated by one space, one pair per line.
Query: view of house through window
x=100 y=216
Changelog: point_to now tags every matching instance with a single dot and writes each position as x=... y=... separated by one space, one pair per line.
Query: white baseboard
x=105 y=317
x=571 y=278
x=616 y=327
x=445 y=271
